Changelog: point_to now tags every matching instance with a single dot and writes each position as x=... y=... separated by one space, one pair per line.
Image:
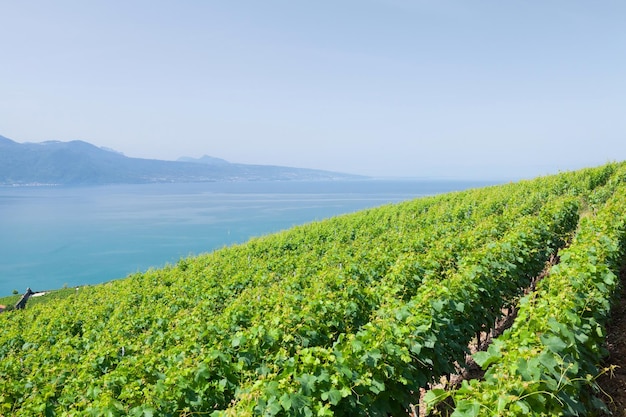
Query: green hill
x=347 y=316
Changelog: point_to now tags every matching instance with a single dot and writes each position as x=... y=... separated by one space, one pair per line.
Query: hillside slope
x=547 y=363
x=348 y=316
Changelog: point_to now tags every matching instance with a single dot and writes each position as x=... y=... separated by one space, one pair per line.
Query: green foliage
x=9 y=300
x=547 y=363
x=346 y=316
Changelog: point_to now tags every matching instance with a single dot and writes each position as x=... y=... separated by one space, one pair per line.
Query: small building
x=22 y=303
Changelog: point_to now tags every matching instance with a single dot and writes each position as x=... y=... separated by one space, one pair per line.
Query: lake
x=52 y=237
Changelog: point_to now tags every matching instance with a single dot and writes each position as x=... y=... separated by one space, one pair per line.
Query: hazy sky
x=475 y=89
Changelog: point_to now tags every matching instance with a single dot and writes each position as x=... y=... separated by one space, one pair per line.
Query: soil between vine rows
x=613 y=384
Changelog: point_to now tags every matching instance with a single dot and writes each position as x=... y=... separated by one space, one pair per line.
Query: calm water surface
x=56 y=236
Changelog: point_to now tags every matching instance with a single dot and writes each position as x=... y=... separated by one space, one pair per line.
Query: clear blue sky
x=462 y=89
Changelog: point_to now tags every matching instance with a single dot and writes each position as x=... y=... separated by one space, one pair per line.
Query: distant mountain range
x=78 y=162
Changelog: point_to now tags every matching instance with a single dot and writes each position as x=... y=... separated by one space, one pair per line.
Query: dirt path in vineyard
x=615 y=385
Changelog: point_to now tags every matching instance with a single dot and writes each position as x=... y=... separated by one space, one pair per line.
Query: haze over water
x=57 y=236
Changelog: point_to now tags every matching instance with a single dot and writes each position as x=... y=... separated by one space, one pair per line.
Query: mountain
x=79 y=162
x=206 y=159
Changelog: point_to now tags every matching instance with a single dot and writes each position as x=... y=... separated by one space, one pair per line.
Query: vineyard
x=353 y=315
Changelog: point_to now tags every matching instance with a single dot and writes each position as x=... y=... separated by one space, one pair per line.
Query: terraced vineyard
x=348 y=316
x=547 y=363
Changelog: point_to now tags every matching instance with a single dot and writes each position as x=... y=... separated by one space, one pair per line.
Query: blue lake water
x=56 y=236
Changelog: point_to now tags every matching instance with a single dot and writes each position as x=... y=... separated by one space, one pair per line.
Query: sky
x=385 y=88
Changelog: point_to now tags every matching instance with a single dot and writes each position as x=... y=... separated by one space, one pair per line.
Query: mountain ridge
x=79 y=162
x=204 y=159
